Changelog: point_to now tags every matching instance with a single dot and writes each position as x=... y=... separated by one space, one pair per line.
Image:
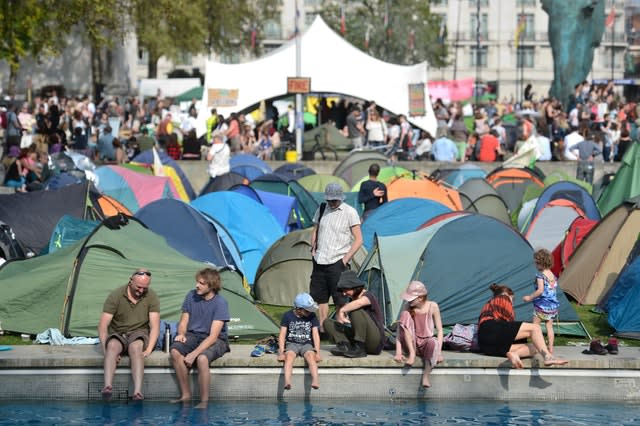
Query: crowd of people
x=595 y=125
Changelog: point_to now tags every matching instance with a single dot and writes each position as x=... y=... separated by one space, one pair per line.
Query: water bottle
x=167 y=338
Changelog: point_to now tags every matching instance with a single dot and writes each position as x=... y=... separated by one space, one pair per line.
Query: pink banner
x=451 y=90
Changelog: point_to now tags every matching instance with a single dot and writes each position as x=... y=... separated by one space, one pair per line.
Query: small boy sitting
x=299 y=335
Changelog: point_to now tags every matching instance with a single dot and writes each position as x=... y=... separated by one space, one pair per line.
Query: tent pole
x=299 y=118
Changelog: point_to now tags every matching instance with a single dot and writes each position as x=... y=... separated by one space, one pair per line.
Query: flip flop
x=5 y=348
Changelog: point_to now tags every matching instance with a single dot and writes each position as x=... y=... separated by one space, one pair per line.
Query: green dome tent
x=72 y=284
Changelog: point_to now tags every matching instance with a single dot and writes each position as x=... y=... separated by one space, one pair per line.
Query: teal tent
x=626 y=182
x=458 y=257
x=66 y=289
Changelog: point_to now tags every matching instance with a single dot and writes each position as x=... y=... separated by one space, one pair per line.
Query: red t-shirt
x=488 y=148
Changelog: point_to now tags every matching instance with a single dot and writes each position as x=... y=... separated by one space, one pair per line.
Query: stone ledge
x=44 y=356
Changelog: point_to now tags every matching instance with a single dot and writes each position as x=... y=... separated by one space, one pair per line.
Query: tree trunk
x=152 y=66
x=14 y=67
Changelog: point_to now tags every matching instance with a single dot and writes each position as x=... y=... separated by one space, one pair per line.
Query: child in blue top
x=545 y=299
x=299 y=335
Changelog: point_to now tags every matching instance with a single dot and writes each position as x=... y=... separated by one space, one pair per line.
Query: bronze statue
x=575 y=29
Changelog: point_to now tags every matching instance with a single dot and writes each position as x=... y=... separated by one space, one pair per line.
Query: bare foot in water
x=550 y=360
x=425 y=381
x=202 y=404
x=182 y=399
x=515 y=360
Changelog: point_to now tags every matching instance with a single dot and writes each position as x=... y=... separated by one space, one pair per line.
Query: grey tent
x=478 y=196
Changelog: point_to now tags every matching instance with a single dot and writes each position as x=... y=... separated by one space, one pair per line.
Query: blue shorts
x=213 y=352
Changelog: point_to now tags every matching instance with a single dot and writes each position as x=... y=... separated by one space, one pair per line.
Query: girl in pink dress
x=416 y=330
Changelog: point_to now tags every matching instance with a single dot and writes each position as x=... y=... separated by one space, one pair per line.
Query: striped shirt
x=334 y=233
x=499 y=308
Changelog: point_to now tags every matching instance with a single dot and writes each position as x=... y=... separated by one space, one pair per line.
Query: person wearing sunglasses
x=129 y=325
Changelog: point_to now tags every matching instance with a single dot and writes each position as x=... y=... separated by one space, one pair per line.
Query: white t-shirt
x=376 y=130
x=219 y=164
x=569 y=141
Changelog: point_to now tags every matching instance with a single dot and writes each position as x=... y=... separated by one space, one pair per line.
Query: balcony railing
x=616 y=37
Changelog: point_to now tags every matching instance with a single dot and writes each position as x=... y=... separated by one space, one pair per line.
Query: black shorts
x=213 y=352
x=324 y=280
x=129 y=337
x=496 y=337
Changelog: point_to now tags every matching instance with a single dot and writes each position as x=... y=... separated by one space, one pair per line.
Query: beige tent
x=600 y=257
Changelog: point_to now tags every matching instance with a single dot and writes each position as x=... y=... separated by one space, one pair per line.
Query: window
x=439 y=2
x=606 y=58
x=309 y=18
x=231 y=57
x=526 y=56
x=143 y=57
x=474 y=3
x=484 y=26
x=272 y=30
x=184 y=58
x=520 y=3
x=529 y=26
x=479 y=57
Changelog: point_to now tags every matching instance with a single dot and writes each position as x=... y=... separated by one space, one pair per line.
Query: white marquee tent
x=333 y=65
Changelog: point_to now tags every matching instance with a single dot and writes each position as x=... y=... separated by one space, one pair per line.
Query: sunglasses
x=142 y=273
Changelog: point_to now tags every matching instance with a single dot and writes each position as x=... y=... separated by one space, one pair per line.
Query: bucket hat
x=333 y=191
x=414 y=290
x=306 y=302
x=348 y=280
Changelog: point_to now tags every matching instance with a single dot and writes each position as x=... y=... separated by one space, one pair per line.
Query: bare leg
x=111 y=358
x=288 y=368
x=425 y=374
x=137 y=365
x=204 y=380
x=182 y=375
x=533 y=332
x=550 y=335
x=310 y=357
x=323 y=313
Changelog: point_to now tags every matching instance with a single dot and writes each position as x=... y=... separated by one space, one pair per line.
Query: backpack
x=462 y=338
x=476 y=149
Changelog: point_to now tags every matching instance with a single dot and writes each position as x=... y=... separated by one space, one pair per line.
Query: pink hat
x=413 y=291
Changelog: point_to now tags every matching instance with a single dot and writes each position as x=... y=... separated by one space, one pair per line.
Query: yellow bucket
x=291 y=156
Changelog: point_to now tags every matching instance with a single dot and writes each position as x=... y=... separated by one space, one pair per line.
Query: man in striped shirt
x=335 y=239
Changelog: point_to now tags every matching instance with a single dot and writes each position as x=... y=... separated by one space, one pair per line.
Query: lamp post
x=477 y=49
x=455 y=58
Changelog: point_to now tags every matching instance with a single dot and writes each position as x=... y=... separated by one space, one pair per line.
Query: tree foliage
x=399 y=31
x=29 y=28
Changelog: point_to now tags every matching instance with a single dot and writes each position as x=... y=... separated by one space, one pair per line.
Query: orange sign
x=298 y=84
x=222 y=97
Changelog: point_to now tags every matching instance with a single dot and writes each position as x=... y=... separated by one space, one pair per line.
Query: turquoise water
x=319 y=413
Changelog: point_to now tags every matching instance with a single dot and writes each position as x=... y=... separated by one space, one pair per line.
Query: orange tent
x=424 y=188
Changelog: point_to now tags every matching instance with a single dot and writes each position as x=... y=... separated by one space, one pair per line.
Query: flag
x=411 y=39
x=442 y=33
x=366 y=37
x=522 y=24
x=611 y=18
x=343 y=24
x=297 y=28
x=253 y=38
x=387 y=27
